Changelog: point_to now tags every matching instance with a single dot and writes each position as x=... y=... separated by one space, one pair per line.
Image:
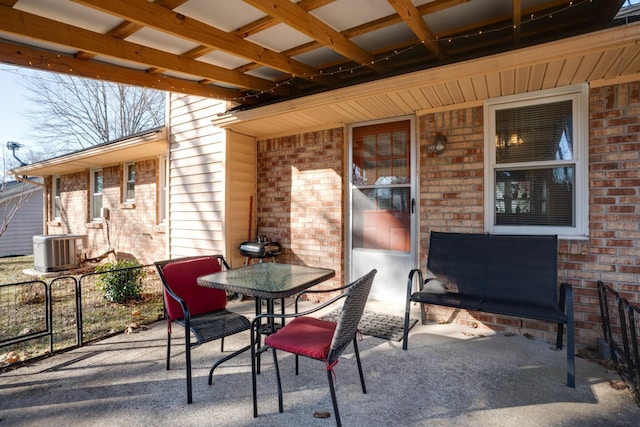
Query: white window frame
x=163 y=198
x=96 y=215
x=579 y=95
x=56 y=197
x=126 y=182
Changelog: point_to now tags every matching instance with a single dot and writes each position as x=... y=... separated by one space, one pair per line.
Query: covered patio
x=450 y=376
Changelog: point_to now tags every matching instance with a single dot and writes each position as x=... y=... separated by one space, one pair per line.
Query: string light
x=422 y=42
x=351 y=70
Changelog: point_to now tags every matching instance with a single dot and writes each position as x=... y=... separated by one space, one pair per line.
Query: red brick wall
x=613 y=252
x=452 y=199
x=300 y=200
x=132 y=229
x=452 y=190
x=300 y=203
x=451 y=187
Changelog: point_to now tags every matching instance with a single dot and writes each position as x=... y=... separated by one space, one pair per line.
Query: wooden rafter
x=175 y=24
x=413 y=18
x=28 y=25
x=252 y=46
x=44 y=60
x=298 y=18
x=127 y=28
x=269 y=21
x=517 y=19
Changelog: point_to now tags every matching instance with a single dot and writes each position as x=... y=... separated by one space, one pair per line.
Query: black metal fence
x=39 y=318
x=621 y=326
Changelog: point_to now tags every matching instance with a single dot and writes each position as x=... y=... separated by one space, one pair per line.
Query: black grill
x=260 y=249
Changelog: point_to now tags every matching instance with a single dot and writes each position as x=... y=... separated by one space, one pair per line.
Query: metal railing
x=621 y=326
x=39 y=318
x=25 y=309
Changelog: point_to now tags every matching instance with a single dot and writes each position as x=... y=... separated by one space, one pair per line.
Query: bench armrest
x=566 y=298
x=566 y=305
x=407 y=310
x=412 y=273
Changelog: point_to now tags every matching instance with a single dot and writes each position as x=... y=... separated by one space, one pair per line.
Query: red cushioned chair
x=315 y=338
x=200 y=310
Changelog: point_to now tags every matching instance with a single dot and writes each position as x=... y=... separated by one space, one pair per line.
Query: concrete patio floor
x=450 y=376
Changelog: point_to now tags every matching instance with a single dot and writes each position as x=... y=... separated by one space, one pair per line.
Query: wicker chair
x=199 y=310
x=316 y=338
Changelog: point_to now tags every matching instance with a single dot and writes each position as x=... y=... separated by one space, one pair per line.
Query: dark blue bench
x=513 y=275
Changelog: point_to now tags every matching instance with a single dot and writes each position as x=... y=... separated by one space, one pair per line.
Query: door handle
x=413 y=204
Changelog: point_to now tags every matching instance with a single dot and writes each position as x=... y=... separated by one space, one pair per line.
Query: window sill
x=94 y=225
x=161 y=228
x=54 y=223
x=128 y=205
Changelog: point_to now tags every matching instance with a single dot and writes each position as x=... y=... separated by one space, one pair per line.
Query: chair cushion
x=305 y=336
x=181 y=277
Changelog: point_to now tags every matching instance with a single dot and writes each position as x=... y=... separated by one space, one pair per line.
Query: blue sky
x=13 y=125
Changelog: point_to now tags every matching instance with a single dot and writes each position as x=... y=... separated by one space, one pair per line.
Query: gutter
x=28 y=181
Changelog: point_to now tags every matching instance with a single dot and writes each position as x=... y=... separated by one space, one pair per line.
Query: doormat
x=379 y=325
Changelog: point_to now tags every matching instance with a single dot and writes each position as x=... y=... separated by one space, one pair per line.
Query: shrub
x=122 y=280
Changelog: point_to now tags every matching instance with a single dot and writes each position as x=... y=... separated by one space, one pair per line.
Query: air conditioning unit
x=58 y=252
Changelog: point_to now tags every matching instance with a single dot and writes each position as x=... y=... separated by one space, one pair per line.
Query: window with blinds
x=537 y=178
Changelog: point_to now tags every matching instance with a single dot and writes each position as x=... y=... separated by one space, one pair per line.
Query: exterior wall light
x=439 y=144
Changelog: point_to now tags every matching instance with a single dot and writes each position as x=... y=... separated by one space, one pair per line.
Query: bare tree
x=71 y=113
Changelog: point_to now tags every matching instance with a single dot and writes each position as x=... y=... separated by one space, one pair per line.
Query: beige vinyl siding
x=196 y=177
x=210 y=185
x=241 y=187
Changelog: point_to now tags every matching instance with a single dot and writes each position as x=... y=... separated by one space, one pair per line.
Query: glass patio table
x=267 y=281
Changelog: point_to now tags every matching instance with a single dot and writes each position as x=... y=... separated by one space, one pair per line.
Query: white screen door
x=382 y=205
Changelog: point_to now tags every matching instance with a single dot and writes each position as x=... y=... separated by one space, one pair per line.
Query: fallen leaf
x=321 y=414
x=529 y=336
x=132 y=328
x=617 y=384
x=11 y=357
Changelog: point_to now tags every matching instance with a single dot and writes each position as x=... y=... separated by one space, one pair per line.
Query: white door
x=382 y=205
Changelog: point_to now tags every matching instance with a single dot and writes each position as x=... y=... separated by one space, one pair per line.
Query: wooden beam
x=269 y=21
x=517 y=20
x=157 y=17
x=368 y=27
x=414 y=20
x=36 y=27
x=127 y=28
x=44 y=60
x=296 y=17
